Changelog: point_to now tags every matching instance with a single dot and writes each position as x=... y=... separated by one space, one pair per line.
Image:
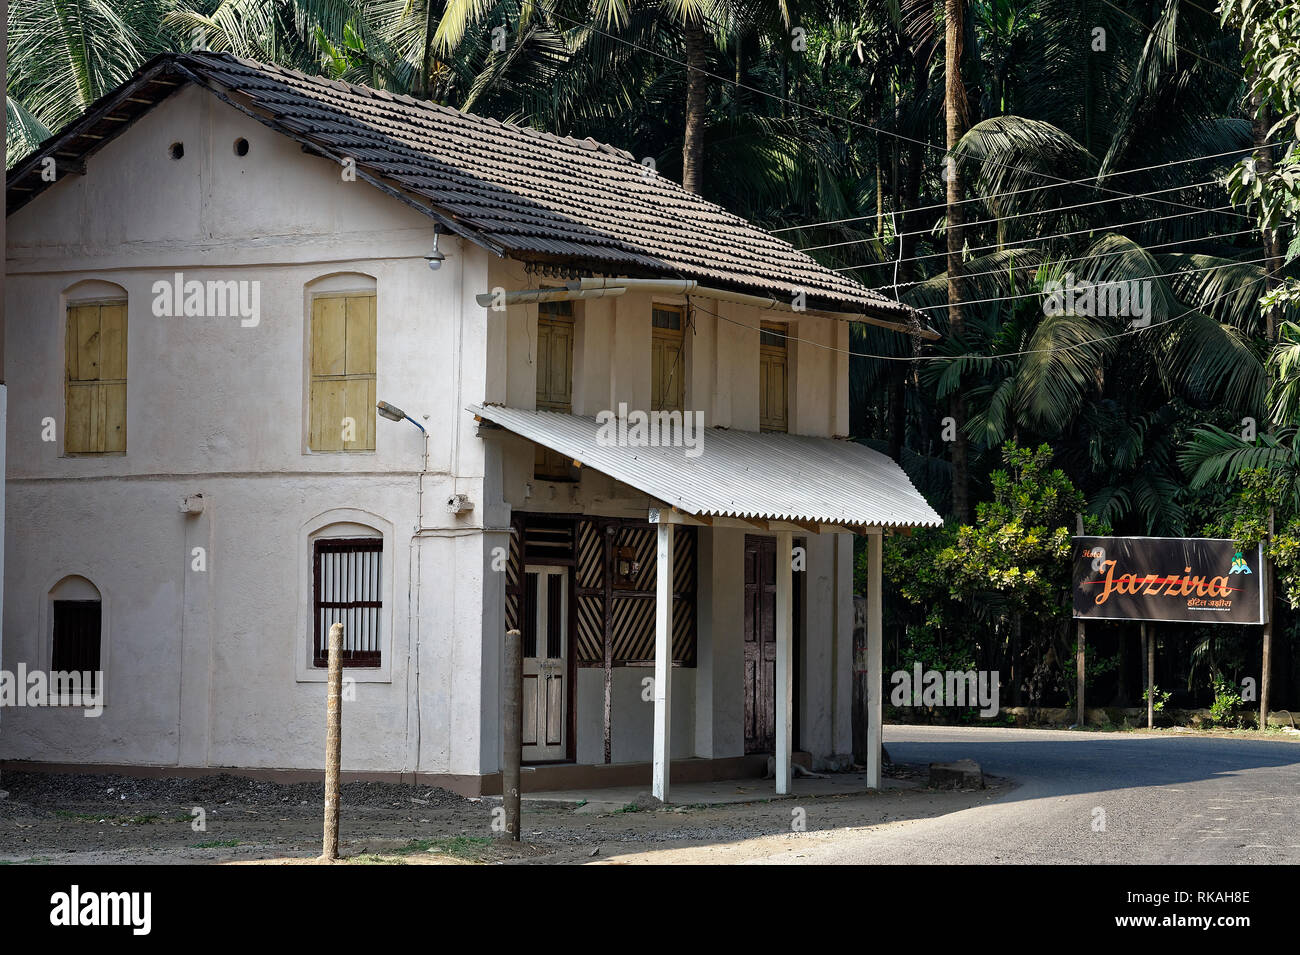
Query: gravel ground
x=104 y=819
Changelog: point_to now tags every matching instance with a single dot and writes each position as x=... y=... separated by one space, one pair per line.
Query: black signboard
x=1190 y=580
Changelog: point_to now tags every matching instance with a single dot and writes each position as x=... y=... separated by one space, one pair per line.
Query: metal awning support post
x=875 y=657
x=663 y=662
x=784 y=670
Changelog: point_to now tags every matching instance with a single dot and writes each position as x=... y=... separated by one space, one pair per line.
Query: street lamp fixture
x=394 y=413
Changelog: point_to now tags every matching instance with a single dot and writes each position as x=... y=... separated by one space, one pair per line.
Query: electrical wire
x=1012 y=354
x=1151 y=31
x=1057 y=262
x=1019 y=215
x=817 y=110
x=1162 y=275
x=1056 y=185
x=1044 y=238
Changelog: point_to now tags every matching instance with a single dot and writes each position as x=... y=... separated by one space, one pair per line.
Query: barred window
x=346 y=581
x=76 y=638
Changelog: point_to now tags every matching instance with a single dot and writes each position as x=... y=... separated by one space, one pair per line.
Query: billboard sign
x=1186 y=580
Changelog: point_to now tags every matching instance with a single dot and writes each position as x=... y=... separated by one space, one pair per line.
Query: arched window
x=347 y=567
x=94 y=395
x=76 y=615
x=342 y=342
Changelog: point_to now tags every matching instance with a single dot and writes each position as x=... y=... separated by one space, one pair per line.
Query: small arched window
x=76 y=614
x=347 y=588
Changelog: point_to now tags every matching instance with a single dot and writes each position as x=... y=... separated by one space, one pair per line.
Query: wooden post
x=1267 y=652
x=875 y=658
x=512 y=705
x=1150 y=640
x=784 y=668
x=663 y=739
x=1079 y=650
x=333 y=741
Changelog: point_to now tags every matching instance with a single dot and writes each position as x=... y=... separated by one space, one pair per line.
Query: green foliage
x=995 y=592
x=1270 y=36
x=1016 y=553
x=1161 y=697
x=1227 y=701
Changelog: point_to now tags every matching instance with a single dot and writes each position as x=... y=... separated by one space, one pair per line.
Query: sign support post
x=1149 y=646
x=1079 y=651
x=1267 y=651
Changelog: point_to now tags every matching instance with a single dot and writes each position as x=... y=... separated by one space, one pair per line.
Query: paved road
x=1167 y=799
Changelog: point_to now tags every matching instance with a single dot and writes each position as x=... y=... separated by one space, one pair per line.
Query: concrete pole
x=663 y=739
x=1150 y=640
x=784 y=669
x=513 y=729
x=333 y=741
x=875 y=658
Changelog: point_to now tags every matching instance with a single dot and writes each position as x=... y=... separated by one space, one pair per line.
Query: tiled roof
x=531 y=195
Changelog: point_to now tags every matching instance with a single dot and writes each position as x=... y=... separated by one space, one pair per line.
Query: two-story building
x=626 y=438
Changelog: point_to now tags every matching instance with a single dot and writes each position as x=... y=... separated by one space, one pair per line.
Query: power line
x=1097 y=285
x=1019 y=215
x=1056 y=235
x=1081 y=258
x=1016 y=192
x=821 y=112
x=1011 y=354
x=1151 y=32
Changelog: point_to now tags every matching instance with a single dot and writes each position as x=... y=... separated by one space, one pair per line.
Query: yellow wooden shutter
x=95 y=379
x=773 y=378
x=667 y=362
x=343 y=342
x=554 y=379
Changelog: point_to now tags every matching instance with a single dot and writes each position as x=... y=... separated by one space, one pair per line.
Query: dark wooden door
x=760 y=645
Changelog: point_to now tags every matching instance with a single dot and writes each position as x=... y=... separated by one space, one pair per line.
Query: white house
x=214 y=277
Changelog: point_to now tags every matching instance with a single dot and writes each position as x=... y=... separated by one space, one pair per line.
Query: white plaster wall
x=612 y=365
x=210 y=670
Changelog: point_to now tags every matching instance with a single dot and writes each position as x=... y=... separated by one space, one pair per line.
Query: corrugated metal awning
x=741 y=474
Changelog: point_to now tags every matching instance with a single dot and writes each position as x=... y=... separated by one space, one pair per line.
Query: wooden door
x=546 y=689
x=760 y=645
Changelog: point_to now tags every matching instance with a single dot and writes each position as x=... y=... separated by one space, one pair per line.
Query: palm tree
x=65 y=54
x=698 y=21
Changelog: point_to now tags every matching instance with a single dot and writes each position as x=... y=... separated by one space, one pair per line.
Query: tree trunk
x=956 y=117
x=424 y=86
x=696 y=95
x=909 y=221
x=1263 y=155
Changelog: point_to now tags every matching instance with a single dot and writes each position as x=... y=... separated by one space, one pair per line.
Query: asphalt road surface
x=1165 y=798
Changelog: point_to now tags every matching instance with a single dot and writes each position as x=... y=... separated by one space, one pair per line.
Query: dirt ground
x=110 y=819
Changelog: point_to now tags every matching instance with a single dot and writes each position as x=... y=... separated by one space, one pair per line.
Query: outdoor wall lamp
x=435 y=258
x=394 y=413
x=626 y=566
